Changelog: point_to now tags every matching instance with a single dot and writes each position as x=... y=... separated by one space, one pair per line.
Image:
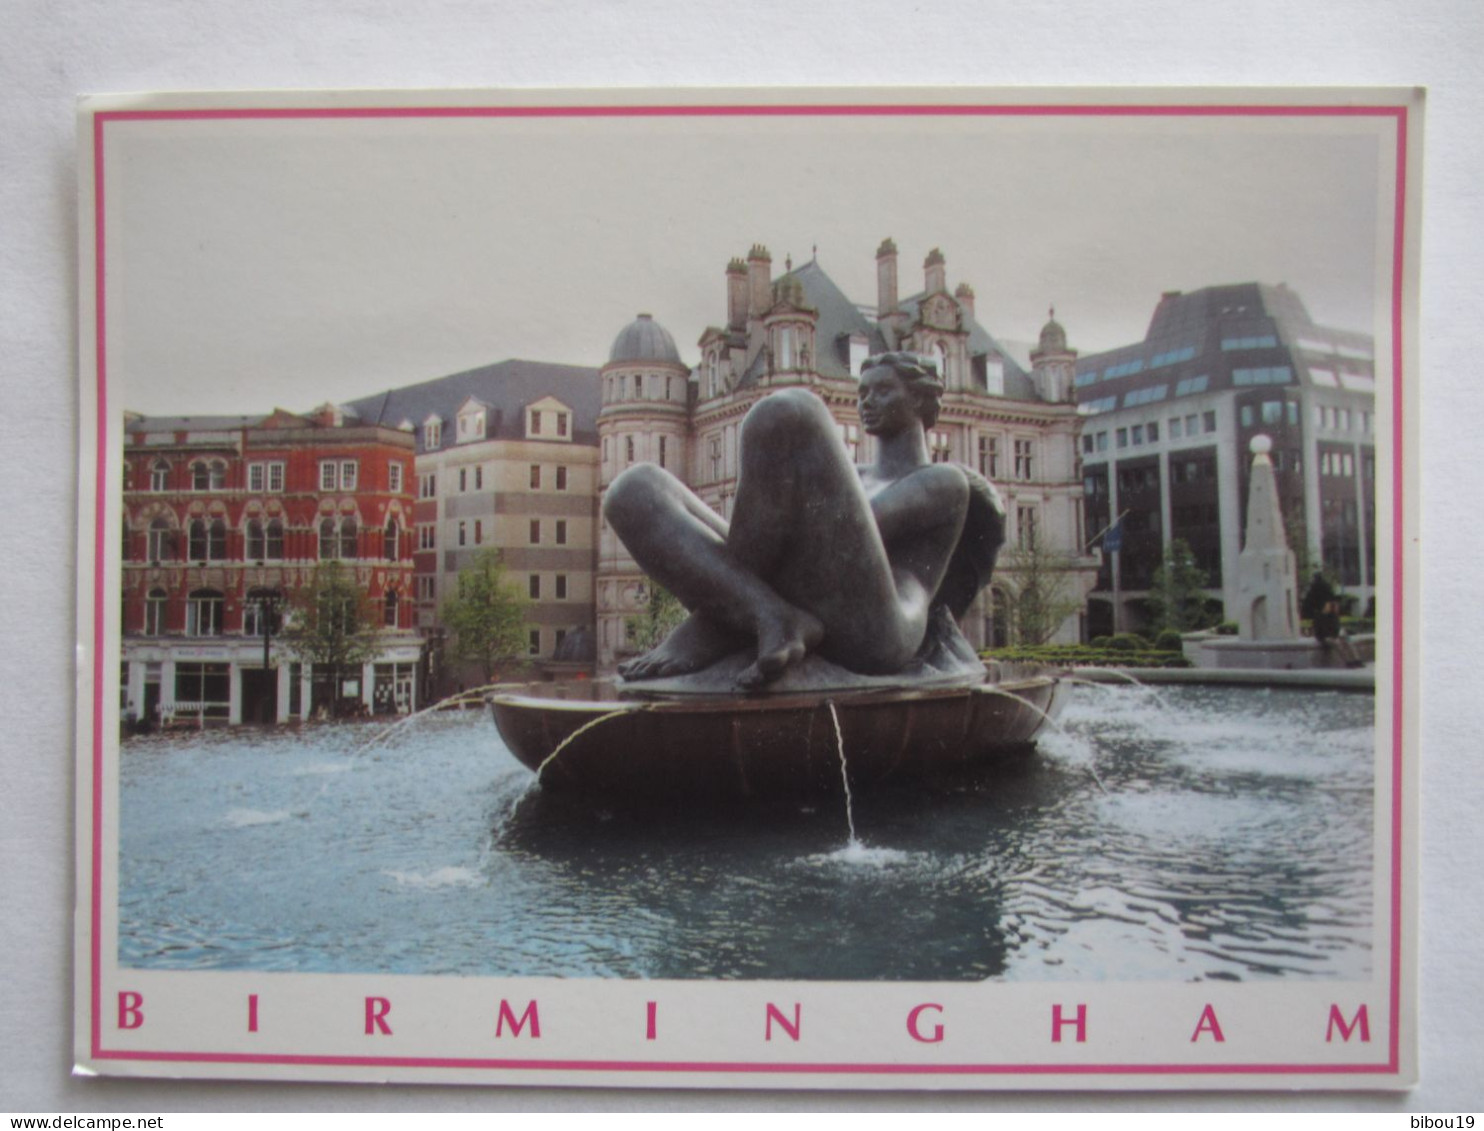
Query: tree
x=487 y=615
x=1044 y=591
x=662 y=614
x=333 y=623
x=1177 y=592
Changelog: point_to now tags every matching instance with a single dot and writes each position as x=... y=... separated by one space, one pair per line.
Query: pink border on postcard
x=1399 y=114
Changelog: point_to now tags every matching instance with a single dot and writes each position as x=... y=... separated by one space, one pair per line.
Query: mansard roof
x=507 y=387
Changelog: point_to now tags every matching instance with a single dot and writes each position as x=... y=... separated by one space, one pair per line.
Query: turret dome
x=644 y=339
x=1053 y=336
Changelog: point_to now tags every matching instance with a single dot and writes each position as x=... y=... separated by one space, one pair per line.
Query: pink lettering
x=652 y=1008
x=1361 y=1020
x=376 y=1010
x=774 y=1015
x=131 y=1009
x=252 y=1013
x=937 y=1031
x=1058 y=1022
x=1207 y=1024
x=516 y=1025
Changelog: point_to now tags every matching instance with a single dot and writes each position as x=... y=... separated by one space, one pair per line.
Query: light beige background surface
x=49 y=53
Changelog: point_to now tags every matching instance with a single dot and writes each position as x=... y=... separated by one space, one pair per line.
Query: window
x=154 y=613
x=432 y=434
x=159 y=476
x=1086 y=447
x=534 y=645
x=1122 y=437
x=1026 y=527
x=208 y=540
x=463 y=533
x=663 y=447
x=561 y=479
x=629 y=449
x=463 y=479
x=1272 y=412
x=1265 y=341
x=1175 y=428
x=394 y=478
x=536 y=423
x=427 y=587
x=427 y=485
x=535 y=477
x=328 y=475
x=349 y=538
x=161 y=541
x=257 y=540
x=1023 y=465
x=257 y=478
x=1271 y=375
x=534 y=585
x=1154 y=431
x=204 y=612
x=274 y=548
x=561 y=587
x=1208 y=420
x=257 y=602
x=1136 y=434
x=427 y=537
x=1246 y=416
x=276 y=476
x=478 y=531
x=561 y=423
x=714 y=451
x=1102 y=441
x=535 y=531
x=339 y=539
x=1189 y=385
x=989 y=455
x=389 y=609
x=561 y=532
x=390 y=548
x=210 y=476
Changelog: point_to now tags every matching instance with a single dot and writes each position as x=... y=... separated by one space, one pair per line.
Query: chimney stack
x=936 y=272
x=886 y=278
x=759 y=281
x=736 y=295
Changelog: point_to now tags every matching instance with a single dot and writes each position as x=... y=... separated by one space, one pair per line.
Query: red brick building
x=225 y=519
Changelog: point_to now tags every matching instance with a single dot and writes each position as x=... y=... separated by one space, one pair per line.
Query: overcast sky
x=256 y=264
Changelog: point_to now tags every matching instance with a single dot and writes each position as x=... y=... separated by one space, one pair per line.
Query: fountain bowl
x=610 y=741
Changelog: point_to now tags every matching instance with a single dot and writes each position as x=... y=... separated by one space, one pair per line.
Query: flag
x=1113 y=538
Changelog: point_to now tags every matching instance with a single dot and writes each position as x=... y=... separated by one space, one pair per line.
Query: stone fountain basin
x=620 y=743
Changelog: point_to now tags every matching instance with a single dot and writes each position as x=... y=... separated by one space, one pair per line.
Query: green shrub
x=1168 y=641
x=1100 y=641
x=1126 y=642
x=1226 y=628
x=1087 y=655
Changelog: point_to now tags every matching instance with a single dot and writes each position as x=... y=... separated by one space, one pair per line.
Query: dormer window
x=549 y=419
x=432 y=434
x=471 y=421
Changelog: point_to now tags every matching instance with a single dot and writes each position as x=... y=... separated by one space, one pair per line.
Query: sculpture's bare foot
x=695 y=643
x=781 y=643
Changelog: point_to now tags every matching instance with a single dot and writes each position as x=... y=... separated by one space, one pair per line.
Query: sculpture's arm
x=917 y=502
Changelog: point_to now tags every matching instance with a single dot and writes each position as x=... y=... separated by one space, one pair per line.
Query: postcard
x=865 y=589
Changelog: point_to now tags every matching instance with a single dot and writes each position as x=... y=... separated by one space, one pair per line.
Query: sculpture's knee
x=790 y=412
x=633 y=491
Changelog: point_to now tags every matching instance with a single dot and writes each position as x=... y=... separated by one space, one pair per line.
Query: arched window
x=216 y=540
x=257 y=540
x=941 y=351
x=154 y=613
x=349 y=538
x=389 y=541
x=159 y=476
x=196 y=540
x=389 y=608
x=204 y=612
x=161 y=541
x=329 y=539
x=273 y=550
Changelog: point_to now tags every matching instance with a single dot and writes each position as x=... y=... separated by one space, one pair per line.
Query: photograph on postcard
x=860 y=588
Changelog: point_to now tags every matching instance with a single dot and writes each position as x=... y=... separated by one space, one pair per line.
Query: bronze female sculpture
x=867 y=567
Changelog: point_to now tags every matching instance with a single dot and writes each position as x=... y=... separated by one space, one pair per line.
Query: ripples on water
x=1230 y=838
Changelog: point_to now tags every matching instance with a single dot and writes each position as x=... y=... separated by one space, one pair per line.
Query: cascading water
x=844 y=772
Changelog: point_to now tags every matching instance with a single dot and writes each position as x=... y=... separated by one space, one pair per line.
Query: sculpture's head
x=896 y=389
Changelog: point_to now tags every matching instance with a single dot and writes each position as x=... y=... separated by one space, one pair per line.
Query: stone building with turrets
x=1019 y=428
